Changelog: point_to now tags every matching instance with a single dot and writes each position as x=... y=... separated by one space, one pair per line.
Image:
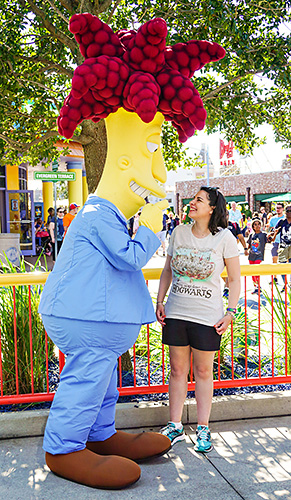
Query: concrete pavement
x=251 y=460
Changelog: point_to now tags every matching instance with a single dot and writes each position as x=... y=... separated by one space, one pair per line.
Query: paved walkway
x=251 y=460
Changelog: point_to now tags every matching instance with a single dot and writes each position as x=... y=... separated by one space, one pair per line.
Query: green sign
x=54 y=176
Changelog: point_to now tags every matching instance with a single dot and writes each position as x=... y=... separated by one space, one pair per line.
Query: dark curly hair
x=218 y=217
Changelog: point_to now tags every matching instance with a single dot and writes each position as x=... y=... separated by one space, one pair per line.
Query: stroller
x=43 y=243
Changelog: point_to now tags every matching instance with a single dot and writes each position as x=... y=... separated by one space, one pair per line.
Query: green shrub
x=22 y=323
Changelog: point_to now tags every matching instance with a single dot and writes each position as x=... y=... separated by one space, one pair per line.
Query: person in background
x=193 y=319
x=162 y=234
x=51 y=216
x=269 y=216
x=39 y=225
x=249 y=227
x=263 y=217
x=237 y=233
x=235 y=214
x=60 y=231
x=247 y=211
x=283 y=229
x=256 y=243
x=73 y=210
x=185 y=215
x=272 y=224
x=135 y=225
x=171 y=223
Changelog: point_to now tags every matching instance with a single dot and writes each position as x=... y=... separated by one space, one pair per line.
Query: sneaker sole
x=203 y=451
x=177 y=439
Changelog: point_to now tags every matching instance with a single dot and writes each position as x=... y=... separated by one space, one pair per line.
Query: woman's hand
x=223 y=324
x=160 y=314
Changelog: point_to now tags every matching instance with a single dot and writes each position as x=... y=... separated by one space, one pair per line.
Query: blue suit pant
x=83 y=408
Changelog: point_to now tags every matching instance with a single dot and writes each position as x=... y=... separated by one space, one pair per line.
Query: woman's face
x=200 y=206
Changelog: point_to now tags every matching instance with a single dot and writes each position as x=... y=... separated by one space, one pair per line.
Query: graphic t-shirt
x=257 y=242
x=285 y=233
x=197 y=263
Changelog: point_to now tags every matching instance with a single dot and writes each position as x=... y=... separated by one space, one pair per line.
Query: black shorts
x=179 y=332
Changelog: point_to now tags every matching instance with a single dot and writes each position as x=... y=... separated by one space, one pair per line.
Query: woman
x=193 y=317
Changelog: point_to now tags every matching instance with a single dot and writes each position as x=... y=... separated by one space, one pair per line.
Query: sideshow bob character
x=133 y=81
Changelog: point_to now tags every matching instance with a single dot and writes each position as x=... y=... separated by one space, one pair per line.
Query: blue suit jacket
x=97 y=275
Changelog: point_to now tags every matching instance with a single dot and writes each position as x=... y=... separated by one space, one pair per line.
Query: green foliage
x=239 y=342
x=24 y=344
x=155 y=348
x=175 y=153
x=249 y=87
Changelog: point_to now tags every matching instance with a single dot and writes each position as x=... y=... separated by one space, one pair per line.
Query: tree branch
x=239 y=77
x=113 y=10
x=47 y=62
x=103 y=6
x=69 y=42
x=213 y=92
x=83 y=139
x=15 y=112
x=21 y=147
x=68 y=4
x=60 y=14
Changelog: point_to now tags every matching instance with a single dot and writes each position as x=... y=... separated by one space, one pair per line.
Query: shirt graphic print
x=196 y=264
x=192 y=264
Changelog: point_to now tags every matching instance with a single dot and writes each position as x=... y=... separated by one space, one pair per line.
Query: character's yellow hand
x=152 y=215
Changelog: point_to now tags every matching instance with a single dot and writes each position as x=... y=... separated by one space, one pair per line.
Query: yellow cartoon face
x=134 y=165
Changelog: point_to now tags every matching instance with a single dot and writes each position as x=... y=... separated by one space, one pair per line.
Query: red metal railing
x=255 y=351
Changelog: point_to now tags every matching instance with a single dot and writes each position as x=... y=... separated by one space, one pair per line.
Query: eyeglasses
x=288 y=211
x=60 y=212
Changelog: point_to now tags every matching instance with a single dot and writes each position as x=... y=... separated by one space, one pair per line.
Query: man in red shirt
x=73 y=209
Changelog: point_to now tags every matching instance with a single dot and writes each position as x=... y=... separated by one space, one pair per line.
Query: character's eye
x=152 y=146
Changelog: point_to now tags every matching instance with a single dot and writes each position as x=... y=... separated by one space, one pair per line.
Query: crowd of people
x=49 y=234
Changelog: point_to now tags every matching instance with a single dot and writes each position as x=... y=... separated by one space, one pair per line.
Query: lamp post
x=55 y=166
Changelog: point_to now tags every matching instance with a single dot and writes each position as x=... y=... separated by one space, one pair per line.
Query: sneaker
x=173 y=433
x=283 y=289
x=203 y=443
x=275 y=280
x=256 y=290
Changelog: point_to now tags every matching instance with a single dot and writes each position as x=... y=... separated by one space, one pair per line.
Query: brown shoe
x=134 y=446
x=87 y=468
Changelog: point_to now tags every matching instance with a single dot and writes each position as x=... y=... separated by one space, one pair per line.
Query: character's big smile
x=140 y=191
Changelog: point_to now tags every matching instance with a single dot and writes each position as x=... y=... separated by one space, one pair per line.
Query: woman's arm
x=233 y=273
x=165 y=281
x=52 y=231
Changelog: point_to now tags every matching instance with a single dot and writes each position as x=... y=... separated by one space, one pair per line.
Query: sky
x=266 y=158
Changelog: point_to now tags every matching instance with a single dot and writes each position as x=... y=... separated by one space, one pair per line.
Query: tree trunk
x=94 y=152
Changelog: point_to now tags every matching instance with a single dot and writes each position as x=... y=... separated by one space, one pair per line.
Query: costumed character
x=133 y=81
